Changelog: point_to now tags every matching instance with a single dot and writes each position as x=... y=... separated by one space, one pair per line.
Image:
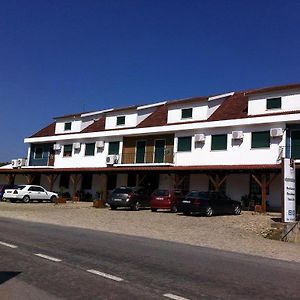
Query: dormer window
x=120 y=120
x=273 y=103
x=186 y=113
x=68 y=126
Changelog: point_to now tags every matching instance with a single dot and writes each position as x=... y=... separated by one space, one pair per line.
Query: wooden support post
x=10 y=178
x=103 y=184
x=75 y=178
x=51 y=180
x=217 y=182
x=29 y=178
x=140 y=178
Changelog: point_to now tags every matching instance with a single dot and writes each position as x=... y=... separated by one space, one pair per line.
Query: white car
x=26 y=193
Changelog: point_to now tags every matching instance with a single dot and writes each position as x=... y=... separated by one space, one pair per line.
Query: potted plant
x=99 y=202
x=61 y=198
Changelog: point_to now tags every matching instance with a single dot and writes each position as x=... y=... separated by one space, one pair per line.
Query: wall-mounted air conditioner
x=112 y=159
x=100 y=144
x=76 y=146
x=237 y=135
x=21 y=162
x=14 y=163
x=275 y=132
x=56 y=147
x=199 y=138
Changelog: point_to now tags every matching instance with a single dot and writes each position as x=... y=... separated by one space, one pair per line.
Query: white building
x=232 y=142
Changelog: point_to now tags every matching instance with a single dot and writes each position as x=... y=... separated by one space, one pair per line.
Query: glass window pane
x=90 y=149
x=186 y=113
x=260 y=139
x=219 y=142
x=68 y=125
x=274 y=103
x=68 y=150
x=38 y=153
x=184 y=143
x=113 y=148
x=121 y=120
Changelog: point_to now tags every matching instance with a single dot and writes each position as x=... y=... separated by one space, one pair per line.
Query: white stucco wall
x=130 y=119
x=75 y=126
x=290 y=101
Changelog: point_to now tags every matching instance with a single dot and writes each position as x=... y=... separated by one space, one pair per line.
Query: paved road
x=128 y=267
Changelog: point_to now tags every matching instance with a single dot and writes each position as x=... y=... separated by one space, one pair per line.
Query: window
x=90 y=149
x=38 y=153
x=68 y=150
x=68 y=125
x=219 y=142
x=113 y=148
x=36 y=189
x=121 y=120
x=273 y=103
x=184 y=144
x=260 y=139
x=86 y=183
x=64 y=181
x=186 y=113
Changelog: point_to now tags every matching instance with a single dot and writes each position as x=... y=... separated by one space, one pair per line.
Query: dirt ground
x=243 y=234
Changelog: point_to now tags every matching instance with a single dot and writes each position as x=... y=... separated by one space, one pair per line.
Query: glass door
x=159 y=151
x=140 y=152
x=295 y=143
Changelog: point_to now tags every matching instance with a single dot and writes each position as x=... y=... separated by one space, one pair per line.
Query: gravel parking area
x=243 y=234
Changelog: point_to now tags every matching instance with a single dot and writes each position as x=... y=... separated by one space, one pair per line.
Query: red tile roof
x=157 y=118
x=46 y=131
x=276 y=88
x=98 y=125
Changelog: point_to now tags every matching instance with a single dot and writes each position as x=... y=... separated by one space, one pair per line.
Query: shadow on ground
x=5 y=276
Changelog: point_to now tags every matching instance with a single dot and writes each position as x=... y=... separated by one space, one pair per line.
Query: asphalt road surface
x=40 y=261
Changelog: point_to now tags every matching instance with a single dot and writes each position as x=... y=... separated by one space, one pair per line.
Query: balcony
x=158 y=156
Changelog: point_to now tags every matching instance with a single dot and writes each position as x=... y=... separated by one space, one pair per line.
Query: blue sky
x=59 y=57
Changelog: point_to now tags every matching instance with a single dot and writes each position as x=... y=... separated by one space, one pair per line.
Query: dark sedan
x=209 y=203
x=132 y=197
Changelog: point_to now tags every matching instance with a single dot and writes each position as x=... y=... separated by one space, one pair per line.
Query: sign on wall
x=289 y=190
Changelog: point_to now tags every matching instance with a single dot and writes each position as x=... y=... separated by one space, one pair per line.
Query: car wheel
x=136 y=206
x=113 y=207
x=237 y=209
x=26 y=199
x=186 y=212
x=174 y=209
x=209 y=211
x=52 y=199
x=153 y=209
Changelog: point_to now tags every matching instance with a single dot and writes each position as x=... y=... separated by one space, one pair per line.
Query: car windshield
x=123 y=191
x=161 y=193
x=19 y=187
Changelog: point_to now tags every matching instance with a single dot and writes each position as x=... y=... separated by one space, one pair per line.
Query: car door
x=33 y=193
x=41 y=193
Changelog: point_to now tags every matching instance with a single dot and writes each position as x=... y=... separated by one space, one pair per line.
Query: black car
x=3 y=187
x=209 y=203
x=132 y=197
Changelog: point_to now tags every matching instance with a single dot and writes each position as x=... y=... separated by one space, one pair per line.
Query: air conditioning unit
x=112 y=159
x=21 y=162
x=100 y=144
x=14 y=163
x=76 y=146
x=275 y=132
x=237 y=135
x=56 y=147
x=199 y=138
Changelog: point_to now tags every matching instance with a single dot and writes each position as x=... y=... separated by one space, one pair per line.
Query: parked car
x=209 y=203
x=133 y=197
x=3 y=187
x=27 y=193
x=166 y=199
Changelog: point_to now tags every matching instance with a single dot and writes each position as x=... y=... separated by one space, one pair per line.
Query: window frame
x=214 y=147
x=67 y=125
x=70 y=151
x=89 y=147
x=42 y=153
x=123 y=118
x=185 y=110
x=109 y=148
x=182 y=148
x=272 y=103
x=261 y=133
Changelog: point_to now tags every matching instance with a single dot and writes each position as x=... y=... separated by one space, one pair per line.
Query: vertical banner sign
x=289 y=190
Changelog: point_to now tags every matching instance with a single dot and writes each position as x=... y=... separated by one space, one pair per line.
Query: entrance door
x=159 y=151
x=295 y=151
x=51 y=157
x=140 y=152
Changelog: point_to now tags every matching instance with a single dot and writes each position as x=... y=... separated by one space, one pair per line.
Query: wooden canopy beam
x=51 y=178
x=217 y=181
